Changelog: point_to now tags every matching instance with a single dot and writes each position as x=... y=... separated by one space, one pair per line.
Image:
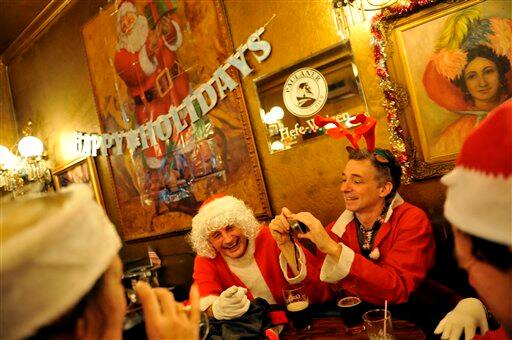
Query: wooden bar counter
x=332 y=327
x=327 y=323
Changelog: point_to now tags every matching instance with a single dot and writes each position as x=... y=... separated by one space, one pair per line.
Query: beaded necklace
x=367 y=236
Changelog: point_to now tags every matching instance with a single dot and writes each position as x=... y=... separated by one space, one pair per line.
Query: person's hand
x=232 y=303
x=467 y=316
x=166 y=29
x=152 y=43
x=317 y=234
x=280 y=228
x=165 y=318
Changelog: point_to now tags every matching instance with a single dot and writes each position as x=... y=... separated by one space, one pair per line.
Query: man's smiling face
x=230 y=241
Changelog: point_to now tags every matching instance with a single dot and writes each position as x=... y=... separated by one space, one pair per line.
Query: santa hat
x=216 y=213
x=126 y=6
x=54 y=249
x=479 y=195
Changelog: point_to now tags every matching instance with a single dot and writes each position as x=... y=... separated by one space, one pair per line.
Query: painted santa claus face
x=133 y=31
x=127 y=22
x=230 y=241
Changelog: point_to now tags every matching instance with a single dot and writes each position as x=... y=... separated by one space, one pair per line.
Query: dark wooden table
x=332 y=327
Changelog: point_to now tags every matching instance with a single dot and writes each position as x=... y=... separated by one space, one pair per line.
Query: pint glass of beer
x=297 y=304
x=378 y=325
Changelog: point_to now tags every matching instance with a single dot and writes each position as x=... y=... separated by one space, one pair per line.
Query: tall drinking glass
x=378 y=325
x=297 y=304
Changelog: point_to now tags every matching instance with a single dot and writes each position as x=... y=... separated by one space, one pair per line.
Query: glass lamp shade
x=276 y=113
x=7 y=159
x=277 y=145
x=30 y=146
x=4 y=152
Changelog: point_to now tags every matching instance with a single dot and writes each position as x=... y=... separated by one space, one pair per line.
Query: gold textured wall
x=306 y=177
x=51 y=86
x=8 y=129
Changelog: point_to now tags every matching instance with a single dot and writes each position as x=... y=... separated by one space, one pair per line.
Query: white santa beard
x=136 y=38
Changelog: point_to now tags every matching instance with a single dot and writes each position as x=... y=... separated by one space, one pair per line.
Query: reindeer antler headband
x=366 y=130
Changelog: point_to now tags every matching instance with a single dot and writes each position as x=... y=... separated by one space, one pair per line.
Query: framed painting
x=144 y=58
x=82 y=170
x=454 y=61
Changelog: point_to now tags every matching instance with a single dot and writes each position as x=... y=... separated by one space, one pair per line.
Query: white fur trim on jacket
x=217 y=214
x=303 y=269
x=347 y=216
x=147 y=65
x=179 y=38
x=333 y=269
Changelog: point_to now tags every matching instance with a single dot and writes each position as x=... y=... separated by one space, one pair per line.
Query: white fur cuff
x=148 y=66
x=303 y=270
x=334 y=270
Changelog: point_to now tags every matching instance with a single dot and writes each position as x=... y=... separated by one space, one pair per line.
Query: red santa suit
x=263 y=270
x=140 y=73
x=403 y=252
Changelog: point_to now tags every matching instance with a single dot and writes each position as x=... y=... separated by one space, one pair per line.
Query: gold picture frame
x=429 y=126
x=81 y=170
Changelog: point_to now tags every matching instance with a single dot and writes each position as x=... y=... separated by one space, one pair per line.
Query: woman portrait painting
x=469 y=73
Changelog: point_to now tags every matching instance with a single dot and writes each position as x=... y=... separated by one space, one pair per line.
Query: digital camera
x=297 y=227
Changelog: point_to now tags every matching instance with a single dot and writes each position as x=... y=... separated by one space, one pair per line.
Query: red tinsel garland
x=398 y=146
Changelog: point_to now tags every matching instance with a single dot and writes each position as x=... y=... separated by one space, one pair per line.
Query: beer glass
x=351 y=310
x=297 y=304
x=377 y=326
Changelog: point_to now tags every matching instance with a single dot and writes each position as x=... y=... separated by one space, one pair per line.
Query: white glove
x=232 y=303
x=467 y=316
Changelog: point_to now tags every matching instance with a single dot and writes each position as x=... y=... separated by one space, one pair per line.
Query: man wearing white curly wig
x=238 y=260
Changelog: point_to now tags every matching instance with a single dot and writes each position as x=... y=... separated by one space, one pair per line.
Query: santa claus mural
x=146 y=60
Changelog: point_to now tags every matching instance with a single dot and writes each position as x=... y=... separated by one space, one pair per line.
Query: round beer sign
x=305 y=92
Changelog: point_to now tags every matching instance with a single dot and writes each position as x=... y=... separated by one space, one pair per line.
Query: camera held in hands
x=298 y=227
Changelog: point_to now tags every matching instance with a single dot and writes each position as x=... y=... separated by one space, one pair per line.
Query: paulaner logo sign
x=305 y=92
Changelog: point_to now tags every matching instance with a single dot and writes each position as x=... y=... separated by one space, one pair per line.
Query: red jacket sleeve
x=318 y=291
x=406 y=256
x=206 y=277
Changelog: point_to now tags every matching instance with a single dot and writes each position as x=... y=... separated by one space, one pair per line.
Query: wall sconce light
x=26 y=164
x=349 y=13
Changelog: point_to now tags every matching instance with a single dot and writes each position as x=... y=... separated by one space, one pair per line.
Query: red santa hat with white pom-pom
x=218 y=212
x=124 y=7
x=479 y=195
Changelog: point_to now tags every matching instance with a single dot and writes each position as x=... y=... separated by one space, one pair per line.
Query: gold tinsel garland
x=395 y=97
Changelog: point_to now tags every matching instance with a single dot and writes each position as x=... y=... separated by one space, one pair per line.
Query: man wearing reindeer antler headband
x=381 y=247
